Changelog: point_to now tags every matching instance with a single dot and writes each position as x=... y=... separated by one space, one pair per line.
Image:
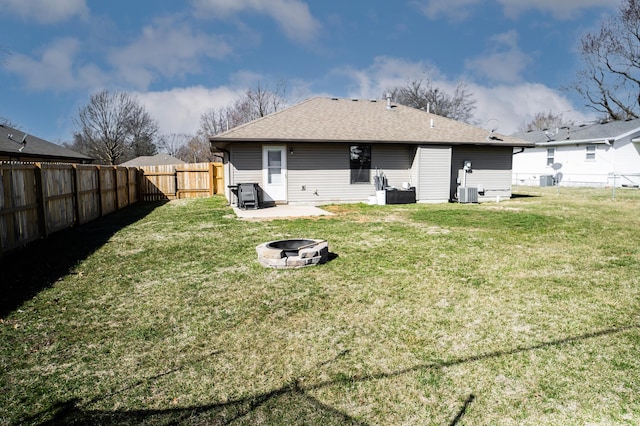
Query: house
x=16 y=145
x=152 y=160
x=330 y=150
x=595 y=155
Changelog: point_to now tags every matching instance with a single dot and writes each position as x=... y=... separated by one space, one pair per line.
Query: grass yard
x=525 y=311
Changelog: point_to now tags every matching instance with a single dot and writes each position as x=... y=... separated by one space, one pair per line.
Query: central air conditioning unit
x=467 y=194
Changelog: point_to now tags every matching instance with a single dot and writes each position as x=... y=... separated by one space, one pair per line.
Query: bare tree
x=196 y=150
x=610 y=79
x=172 y=143
x=3 y=54
x=423 y=94
x=114 y=126
x=143 y=129
x=253 y=104
x=545 y=121
x=5 y=121
x=214 y=121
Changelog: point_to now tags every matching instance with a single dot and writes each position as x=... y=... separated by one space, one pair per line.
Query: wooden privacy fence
x=175 y=181
x=37 y=199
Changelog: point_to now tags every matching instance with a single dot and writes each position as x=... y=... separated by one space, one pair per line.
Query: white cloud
x=179 y=110
x=510 y=104
x=504 y=62
x=559 y=9
x=45 y=11
x=457 y=10
x=515 y=105
x=385 y=73
x=56 y=68
x=293 y=16
x=166 y=49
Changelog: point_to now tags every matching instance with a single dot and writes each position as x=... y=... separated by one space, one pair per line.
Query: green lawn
x=525 y=311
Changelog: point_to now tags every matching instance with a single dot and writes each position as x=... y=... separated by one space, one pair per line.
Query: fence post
x=100 y=206
x=76 y=197
x=212 y=179
x=140 y=178
x=40 y=201
x=114 y=172
x=176 y=180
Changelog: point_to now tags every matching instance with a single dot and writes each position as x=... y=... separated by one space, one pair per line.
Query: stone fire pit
x=293 y=253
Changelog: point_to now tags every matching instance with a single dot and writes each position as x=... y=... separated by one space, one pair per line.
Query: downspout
x=520 y=152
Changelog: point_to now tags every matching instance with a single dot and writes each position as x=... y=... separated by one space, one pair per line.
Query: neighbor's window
x=551 y=152
x=591 y=152
x=360 y=163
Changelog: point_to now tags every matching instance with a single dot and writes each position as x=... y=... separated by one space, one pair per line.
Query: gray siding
x=490 y=167
x=246 y=161
x=394 y=161
x=319 y=173
x=434 y=171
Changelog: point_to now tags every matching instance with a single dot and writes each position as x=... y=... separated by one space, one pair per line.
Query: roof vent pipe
x=388 y=100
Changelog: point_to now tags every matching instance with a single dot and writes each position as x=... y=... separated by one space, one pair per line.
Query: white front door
x=274 y=169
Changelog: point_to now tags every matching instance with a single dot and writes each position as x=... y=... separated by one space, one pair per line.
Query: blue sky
x=182 y=57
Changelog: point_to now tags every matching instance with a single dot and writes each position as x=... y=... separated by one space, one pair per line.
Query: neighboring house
x=327 y=150
x=16 y=145
x=596 y=155
x=152 y=160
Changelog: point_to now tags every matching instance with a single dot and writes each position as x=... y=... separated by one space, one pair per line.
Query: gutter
x=599 y=141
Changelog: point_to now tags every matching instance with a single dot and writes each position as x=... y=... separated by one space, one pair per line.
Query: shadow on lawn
x=27 y=271
x=289 y=404
x=517 y=195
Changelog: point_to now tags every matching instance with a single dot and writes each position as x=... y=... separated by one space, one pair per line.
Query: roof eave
x=223 y=142
x=597 y=141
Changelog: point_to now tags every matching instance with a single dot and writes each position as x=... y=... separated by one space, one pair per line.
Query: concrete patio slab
x=280 y=211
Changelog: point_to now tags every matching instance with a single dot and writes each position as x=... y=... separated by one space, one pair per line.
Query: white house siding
x=433 y=171
x=490 y=169
x=529 y=165
x=572 y=168
x=626 y=160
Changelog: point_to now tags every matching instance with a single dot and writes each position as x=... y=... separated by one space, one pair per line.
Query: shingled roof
x=153 y=160
x=20 y=145
x=591 y=133
x=354 y=120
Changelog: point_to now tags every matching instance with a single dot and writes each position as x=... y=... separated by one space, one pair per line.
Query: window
x=551 y=152
x=274 y=166
x=360 y=163
x=591 y=153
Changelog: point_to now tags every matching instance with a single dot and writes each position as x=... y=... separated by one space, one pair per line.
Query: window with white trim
x=551 y=152
x=590 y=153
